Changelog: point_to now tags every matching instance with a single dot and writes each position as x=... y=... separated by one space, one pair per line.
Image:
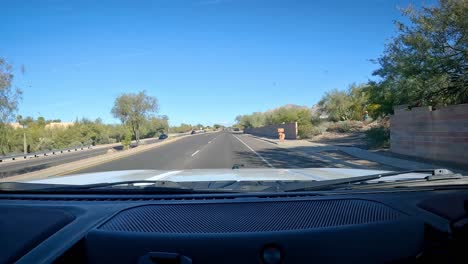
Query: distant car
x=163 y=136
x=193 y=132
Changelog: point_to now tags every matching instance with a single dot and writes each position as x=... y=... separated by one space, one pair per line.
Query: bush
x=305 y=130
x=75 y=144
x=378 y=137
x=319 y=130
x=127 y=140
x=312 y=130
x=44 y=144
x=345 y=126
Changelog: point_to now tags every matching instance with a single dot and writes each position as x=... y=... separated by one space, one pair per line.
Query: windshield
x=207 y=94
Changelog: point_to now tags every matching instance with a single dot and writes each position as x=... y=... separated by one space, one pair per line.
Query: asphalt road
x=30 y=165
x=210 y=151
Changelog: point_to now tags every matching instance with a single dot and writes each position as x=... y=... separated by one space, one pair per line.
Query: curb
x=263 y=139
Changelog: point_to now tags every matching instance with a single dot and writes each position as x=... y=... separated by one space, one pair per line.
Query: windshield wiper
x=436 y=174
x=147 y=186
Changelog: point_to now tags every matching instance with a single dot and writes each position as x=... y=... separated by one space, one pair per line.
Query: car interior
x=356 y=226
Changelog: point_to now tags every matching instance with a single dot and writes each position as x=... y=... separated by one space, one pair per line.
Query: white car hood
x=316 y=174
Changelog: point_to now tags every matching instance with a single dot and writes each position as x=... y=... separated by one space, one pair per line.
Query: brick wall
x=290 y=130
x=438 y=134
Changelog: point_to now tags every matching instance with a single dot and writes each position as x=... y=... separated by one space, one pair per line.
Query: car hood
x=311 y=174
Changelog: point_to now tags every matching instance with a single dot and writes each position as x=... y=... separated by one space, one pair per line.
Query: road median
x=76 y=166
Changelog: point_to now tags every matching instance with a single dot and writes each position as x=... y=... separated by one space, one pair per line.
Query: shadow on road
x=344 y=140
x=5 y=174
x=316 y=157
x=279 y=158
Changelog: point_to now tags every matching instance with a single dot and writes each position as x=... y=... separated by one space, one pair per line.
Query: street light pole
x=25 y=147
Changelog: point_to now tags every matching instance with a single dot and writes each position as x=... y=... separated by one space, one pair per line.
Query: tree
x=346 y=105
x=256 y=119
x=337 y=105
x=41 y=121
x=155 y=126
x=127 y=140
x=285 y=114
x=134 y=109
x=426 y=63
x=181 y=129
x=359 y=97
x=9 y=98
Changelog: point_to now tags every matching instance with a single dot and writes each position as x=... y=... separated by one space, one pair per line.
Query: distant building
x=15 y=125
x=53 y=125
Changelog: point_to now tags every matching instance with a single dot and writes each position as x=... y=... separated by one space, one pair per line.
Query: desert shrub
x=378 y=137
x=345 y=126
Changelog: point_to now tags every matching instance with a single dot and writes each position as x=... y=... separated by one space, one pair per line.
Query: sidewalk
x=341 y=156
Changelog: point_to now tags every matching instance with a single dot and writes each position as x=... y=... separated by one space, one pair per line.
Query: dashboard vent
x=249 y=216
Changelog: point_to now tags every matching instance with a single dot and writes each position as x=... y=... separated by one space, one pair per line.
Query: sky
x=206 y=61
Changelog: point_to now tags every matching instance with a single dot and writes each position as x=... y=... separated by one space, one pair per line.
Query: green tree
x=9 y=98
x=181 y=129
x=256 y=119
x=127 y=140
x=346 y=105
x=285 y=114
x=359 y=97
x=134 y=109
x=337 y=105
x=426 y=63
x=155 y=126
x=41 y=121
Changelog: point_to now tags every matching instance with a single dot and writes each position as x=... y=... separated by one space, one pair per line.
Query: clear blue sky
x=205 y=60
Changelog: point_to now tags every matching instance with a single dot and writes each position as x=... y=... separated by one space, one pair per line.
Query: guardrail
x=73 y=149
x=42 y=153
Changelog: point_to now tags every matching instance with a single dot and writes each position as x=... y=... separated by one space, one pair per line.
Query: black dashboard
x=357 y=227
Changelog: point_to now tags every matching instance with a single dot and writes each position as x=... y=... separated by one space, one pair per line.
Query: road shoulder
x=365 y=158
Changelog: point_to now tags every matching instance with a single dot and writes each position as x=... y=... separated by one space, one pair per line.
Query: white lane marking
x=209 y=142
x=195 y=153
x=158 y=177
x=264 y=160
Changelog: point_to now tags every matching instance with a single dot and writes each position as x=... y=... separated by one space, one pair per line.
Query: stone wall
x=290 y=130
x=439 y=134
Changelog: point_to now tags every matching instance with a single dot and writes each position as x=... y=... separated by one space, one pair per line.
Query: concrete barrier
x=439 y=134
x=290 y=130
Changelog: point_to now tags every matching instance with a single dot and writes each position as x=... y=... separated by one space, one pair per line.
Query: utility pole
x=25 y=146
x=22 y=122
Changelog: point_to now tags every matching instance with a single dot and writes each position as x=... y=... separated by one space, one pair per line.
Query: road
x=29 y=165
x=210 y=151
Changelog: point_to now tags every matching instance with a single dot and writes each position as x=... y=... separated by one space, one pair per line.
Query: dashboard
x=409 y=226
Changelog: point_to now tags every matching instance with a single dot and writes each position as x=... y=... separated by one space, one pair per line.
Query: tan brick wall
x=439 y=134
x=54 y=125
x=290 y=130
